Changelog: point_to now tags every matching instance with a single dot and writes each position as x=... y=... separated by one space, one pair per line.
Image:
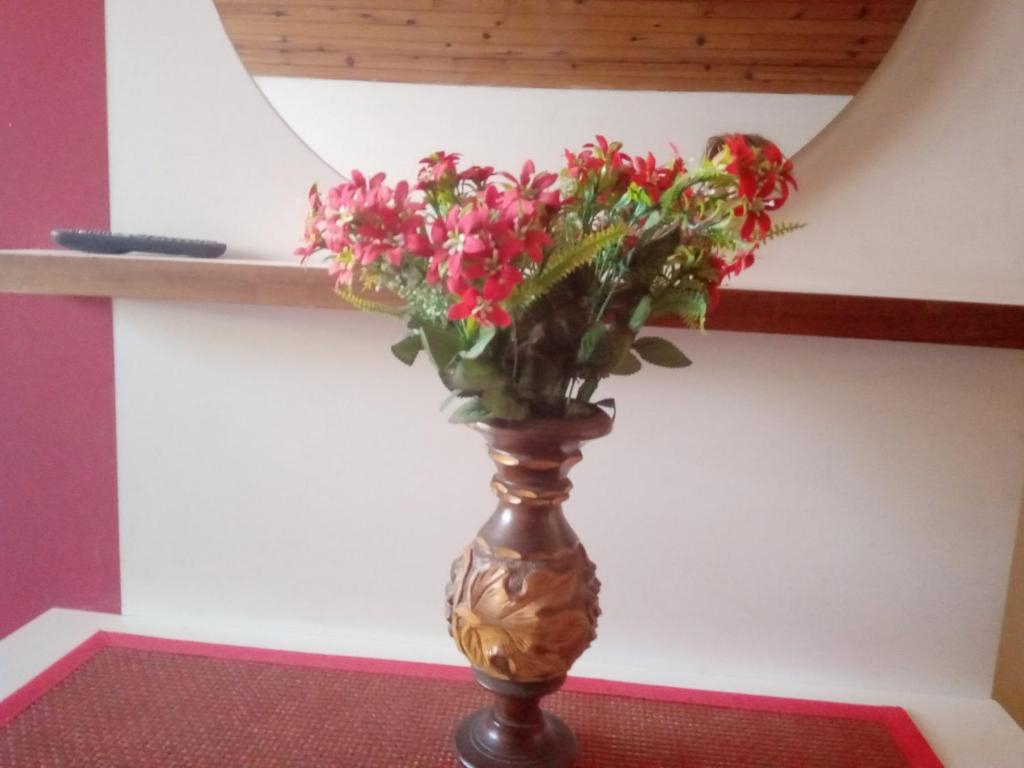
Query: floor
x=965 y=733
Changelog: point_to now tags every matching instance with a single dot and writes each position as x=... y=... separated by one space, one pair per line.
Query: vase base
x=482 y=741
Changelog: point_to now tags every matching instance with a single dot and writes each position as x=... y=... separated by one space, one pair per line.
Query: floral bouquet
x=525 y=292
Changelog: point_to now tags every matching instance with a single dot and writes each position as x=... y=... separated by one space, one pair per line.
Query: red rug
x=124 y=700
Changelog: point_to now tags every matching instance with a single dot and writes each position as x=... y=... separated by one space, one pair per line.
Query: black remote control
x=97 y=241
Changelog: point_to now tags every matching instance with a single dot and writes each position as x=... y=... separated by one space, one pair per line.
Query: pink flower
x=342 y=271
x=474 y=255
x=529 y=191
x=477 y=174
x=372 y=221
x=437 y=170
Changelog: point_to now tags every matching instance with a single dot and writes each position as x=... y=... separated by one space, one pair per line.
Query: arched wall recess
x=223 y=396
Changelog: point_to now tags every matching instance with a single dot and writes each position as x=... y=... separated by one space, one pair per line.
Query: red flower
x=652 y=178
x=742 y=164
x=486 y=312
x=727 y=269
x=480 y=232
x=500 y=283
x=437 y=170
x=475 y=251
x=477 y=174
x=529 y=191
x=602 y=165
x=530 y=242
x=313 y=237
x=764 y=177
x=756 y=218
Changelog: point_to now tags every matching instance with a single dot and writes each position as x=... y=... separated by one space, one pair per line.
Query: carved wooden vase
x=522 y=602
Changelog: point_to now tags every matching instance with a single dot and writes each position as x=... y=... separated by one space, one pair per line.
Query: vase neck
x=535 y=477
x=533 y=461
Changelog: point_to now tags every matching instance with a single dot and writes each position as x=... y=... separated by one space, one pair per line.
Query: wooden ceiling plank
x=605 y=66
x=577 y=26
x=806 y=9
x=684 y=55
x=400 y=36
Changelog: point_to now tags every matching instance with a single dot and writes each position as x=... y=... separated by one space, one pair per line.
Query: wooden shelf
x=290 y=285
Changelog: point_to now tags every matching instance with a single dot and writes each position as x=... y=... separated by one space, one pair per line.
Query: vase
x=522 y=601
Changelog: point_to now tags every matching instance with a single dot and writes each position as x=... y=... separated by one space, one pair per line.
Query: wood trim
x=871 y=317
x=134 y=276
x=290 y=285
x=774 y=46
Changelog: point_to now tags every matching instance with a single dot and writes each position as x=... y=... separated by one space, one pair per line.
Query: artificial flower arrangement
x=526 y=293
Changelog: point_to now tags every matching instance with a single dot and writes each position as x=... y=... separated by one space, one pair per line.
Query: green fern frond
x=563 y=262
x=367 y=305
x=708 y=173
x=784 y=228
x=688 y=304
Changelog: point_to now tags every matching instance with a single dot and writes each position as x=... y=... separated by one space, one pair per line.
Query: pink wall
x=58 y=483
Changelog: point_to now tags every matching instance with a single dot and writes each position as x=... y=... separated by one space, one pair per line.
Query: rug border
x=896 y=721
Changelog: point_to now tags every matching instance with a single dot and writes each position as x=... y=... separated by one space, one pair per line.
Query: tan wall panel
x=1009 y=682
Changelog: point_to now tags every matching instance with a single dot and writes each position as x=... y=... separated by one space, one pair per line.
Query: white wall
x=390 y=126
x=838 y=512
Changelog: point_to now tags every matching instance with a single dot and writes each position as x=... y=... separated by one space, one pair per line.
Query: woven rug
x=122 y=700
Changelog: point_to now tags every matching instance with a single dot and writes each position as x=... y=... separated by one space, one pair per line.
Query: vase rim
x=588 y=427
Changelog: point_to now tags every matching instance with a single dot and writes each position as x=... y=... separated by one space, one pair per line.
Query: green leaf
x=451 y=398
x=408 y=348
x=658 y=351
x=610 y=353
x=587 y=389
x=442 y=344
x=627 y=365
x=500 y=404
x=640 y=314
x=591 y=338
x=483 y=339
x=470 y=411
x=476 y=375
